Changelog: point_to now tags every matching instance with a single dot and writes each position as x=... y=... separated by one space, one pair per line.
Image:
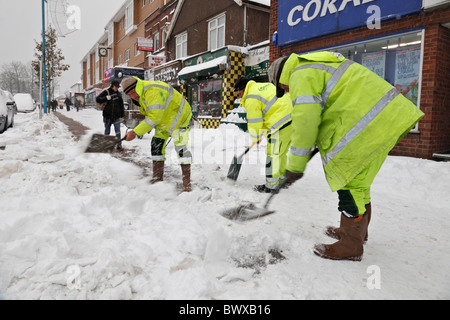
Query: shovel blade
x=101 y=144
x=235 y=168
x=246 y=212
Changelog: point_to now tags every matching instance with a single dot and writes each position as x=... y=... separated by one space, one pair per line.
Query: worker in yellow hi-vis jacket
x=355 y=118
x=271 y=116
x=167 y=112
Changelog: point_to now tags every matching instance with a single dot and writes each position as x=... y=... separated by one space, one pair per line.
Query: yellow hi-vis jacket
x=349 y=112
x=164 y=107
x=265 y=112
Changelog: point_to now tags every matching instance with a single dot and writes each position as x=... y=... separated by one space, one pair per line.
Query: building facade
x=407 y=42
x=210 y=43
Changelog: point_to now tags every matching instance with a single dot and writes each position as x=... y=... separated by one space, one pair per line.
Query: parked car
x=7 y=110
x=24 y=102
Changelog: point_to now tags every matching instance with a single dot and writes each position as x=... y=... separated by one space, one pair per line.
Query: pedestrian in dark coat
x=114 y=109
x=68 y=103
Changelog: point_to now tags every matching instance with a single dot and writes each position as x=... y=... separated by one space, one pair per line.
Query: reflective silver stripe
x=300 y=152
x=319 y=66
x=253 y=96
x=269 y=105
x=306 y=99
x=156 y=106
x=255 y=120
x=156 y=86
x=150 y=122
x=177 y=118
x=185 y=160
x=361 y=125
x=280 y=122
x=333 y=81
x=158 y=158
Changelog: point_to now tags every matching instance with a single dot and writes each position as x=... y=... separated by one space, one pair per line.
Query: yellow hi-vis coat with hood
x=167 y=111
x=264 y=110
x=349 y=112
x=269 y=115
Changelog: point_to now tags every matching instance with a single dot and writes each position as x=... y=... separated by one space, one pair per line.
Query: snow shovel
x=249 y=211
x=235 y=166
x=102 y=144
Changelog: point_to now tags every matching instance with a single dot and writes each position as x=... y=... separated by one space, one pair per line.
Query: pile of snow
x=90 y=226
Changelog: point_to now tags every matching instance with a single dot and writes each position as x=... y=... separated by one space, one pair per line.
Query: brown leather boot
x=158 y=172
x=186 y=173
x=350 y=245
x=333 y=232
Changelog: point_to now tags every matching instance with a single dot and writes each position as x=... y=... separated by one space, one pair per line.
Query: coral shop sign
x=305 y=19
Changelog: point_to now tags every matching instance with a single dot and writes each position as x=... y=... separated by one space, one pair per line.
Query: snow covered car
x=24 y=102
x=7 y=110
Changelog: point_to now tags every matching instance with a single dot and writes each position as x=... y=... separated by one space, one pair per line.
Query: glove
x=291 y=177
x=108 y=97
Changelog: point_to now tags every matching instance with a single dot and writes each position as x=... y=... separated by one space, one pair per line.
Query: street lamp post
x=44 y=81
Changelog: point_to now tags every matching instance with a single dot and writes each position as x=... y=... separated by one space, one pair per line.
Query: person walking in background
x=271 y=116
x=355 y=118
x=166 y=111
x=54 y=104
x=114 y=109
x=68 y=103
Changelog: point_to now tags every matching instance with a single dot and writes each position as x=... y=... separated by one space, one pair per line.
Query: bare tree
x=15 y=77
x=54 y=59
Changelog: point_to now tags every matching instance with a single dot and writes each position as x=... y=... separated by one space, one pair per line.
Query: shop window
x=397 y=59
x=210 y=98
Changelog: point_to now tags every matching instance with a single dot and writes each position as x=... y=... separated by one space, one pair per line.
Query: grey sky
x=21 y=24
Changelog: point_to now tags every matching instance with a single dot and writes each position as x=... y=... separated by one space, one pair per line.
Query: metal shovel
x=249 y=211
x=102 y=144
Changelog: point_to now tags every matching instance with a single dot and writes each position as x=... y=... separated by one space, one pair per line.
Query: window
x=163 y=38
x=110 y=35
x=181 y=42
x=210 y=102
x=129 y=20
x=127 y=54
x=136 y=51
x=120 y=59
x=156 y=42
x=143 y=3
x=216 y=33
x=397 y=59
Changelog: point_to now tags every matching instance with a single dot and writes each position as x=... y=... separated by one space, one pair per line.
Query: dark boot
x=350 y=245
x=333 y=232
x=262 y=188
x=186 y=173
x=158 y=171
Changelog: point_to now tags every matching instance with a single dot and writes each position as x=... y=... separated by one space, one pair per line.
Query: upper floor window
x=216 y=29
x=127 y=54
x=156 y=42
x=129 y=20
x=181 y=41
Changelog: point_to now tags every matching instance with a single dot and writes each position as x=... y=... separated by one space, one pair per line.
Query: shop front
x=208 y=82
x=406 y=42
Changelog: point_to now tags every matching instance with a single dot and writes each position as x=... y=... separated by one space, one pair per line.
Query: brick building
x=210 y=40
x=120 y=44
x=405 y=41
